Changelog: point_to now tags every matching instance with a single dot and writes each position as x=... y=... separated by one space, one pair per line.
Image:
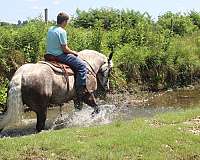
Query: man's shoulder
x=52 y=27
x=56 y=28
x=60 y=29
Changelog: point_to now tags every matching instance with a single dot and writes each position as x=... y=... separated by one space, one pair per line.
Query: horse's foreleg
x=41 y=118
x=78 y=104
x=90 y=100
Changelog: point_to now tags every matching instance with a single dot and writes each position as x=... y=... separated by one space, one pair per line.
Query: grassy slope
x=162 y=137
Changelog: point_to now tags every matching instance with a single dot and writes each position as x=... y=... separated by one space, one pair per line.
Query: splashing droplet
x=84 y=117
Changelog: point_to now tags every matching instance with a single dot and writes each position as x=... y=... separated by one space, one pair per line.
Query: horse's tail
x=14 y=102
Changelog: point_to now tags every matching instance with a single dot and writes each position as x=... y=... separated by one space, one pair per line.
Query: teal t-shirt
x=56 y=37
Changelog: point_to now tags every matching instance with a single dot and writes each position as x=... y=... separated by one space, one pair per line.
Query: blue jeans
x=77 y=65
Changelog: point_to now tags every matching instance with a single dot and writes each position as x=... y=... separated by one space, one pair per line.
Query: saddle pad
x=58 y=67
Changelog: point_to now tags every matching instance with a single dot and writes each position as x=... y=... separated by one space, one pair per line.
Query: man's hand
x=67 y=50
x=75 y=53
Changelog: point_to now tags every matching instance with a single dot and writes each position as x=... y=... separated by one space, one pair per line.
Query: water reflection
x=178 y=98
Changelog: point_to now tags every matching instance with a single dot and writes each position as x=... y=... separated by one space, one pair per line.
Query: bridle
x=109 y=66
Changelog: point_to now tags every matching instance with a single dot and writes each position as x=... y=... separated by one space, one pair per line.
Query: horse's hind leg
x=41 y=118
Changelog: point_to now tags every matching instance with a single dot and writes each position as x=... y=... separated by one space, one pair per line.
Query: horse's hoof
x=38 y=131
x=96 y=111
x=78 y=108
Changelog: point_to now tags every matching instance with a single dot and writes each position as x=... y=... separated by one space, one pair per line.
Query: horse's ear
x=111 y=54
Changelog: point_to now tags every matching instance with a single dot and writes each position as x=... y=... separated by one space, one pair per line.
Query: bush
x=177 y=23
x=156 y=55
x=3 y=95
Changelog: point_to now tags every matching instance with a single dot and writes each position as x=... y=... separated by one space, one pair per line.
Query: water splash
x=84 y=117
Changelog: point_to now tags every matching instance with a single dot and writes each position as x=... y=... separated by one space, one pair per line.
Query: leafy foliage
x=177 y=23
x=155 y=55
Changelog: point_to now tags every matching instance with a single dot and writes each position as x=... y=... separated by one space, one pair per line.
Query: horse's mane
x=94 y=58
x=91 y=55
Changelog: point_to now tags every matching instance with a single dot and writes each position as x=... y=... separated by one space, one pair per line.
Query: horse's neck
x=94 y=65
x=93 y=59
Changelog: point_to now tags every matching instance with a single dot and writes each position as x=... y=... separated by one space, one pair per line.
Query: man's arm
x=67 y=50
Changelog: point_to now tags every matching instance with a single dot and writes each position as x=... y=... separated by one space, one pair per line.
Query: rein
x=92 y=70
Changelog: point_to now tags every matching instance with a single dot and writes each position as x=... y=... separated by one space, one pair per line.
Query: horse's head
x=100 y=64
x=104 y=73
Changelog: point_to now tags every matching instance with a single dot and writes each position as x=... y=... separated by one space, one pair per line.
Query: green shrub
x=177 y=23
x=3 y=95
x=156 y=55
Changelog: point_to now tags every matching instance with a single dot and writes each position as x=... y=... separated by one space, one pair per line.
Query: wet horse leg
x=78 y=104
x=90 y=100
x=41 y=118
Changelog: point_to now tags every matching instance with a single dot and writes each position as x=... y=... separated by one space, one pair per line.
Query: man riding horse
x=58 y=48
x=39 y=85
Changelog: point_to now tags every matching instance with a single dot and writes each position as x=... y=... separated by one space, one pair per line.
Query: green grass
x=164 y=136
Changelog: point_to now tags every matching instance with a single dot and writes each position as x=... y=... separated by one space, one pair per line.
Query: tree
x=177 y=23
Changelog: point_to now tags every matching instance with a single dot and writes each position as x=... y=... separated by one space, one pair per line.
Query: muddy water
x=180 y=98
x=116 y=107
x=131 y=107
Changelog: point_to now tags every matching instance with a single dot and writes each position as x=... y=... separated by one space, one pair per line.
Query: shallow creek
x=116 y=107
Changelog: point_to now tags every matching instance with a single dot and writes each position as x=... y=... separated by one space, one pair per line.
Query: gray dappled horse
x=39 y=85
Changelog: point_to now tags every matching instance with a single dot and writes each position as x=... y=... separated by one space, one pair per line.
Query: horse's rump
x=37 y=84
